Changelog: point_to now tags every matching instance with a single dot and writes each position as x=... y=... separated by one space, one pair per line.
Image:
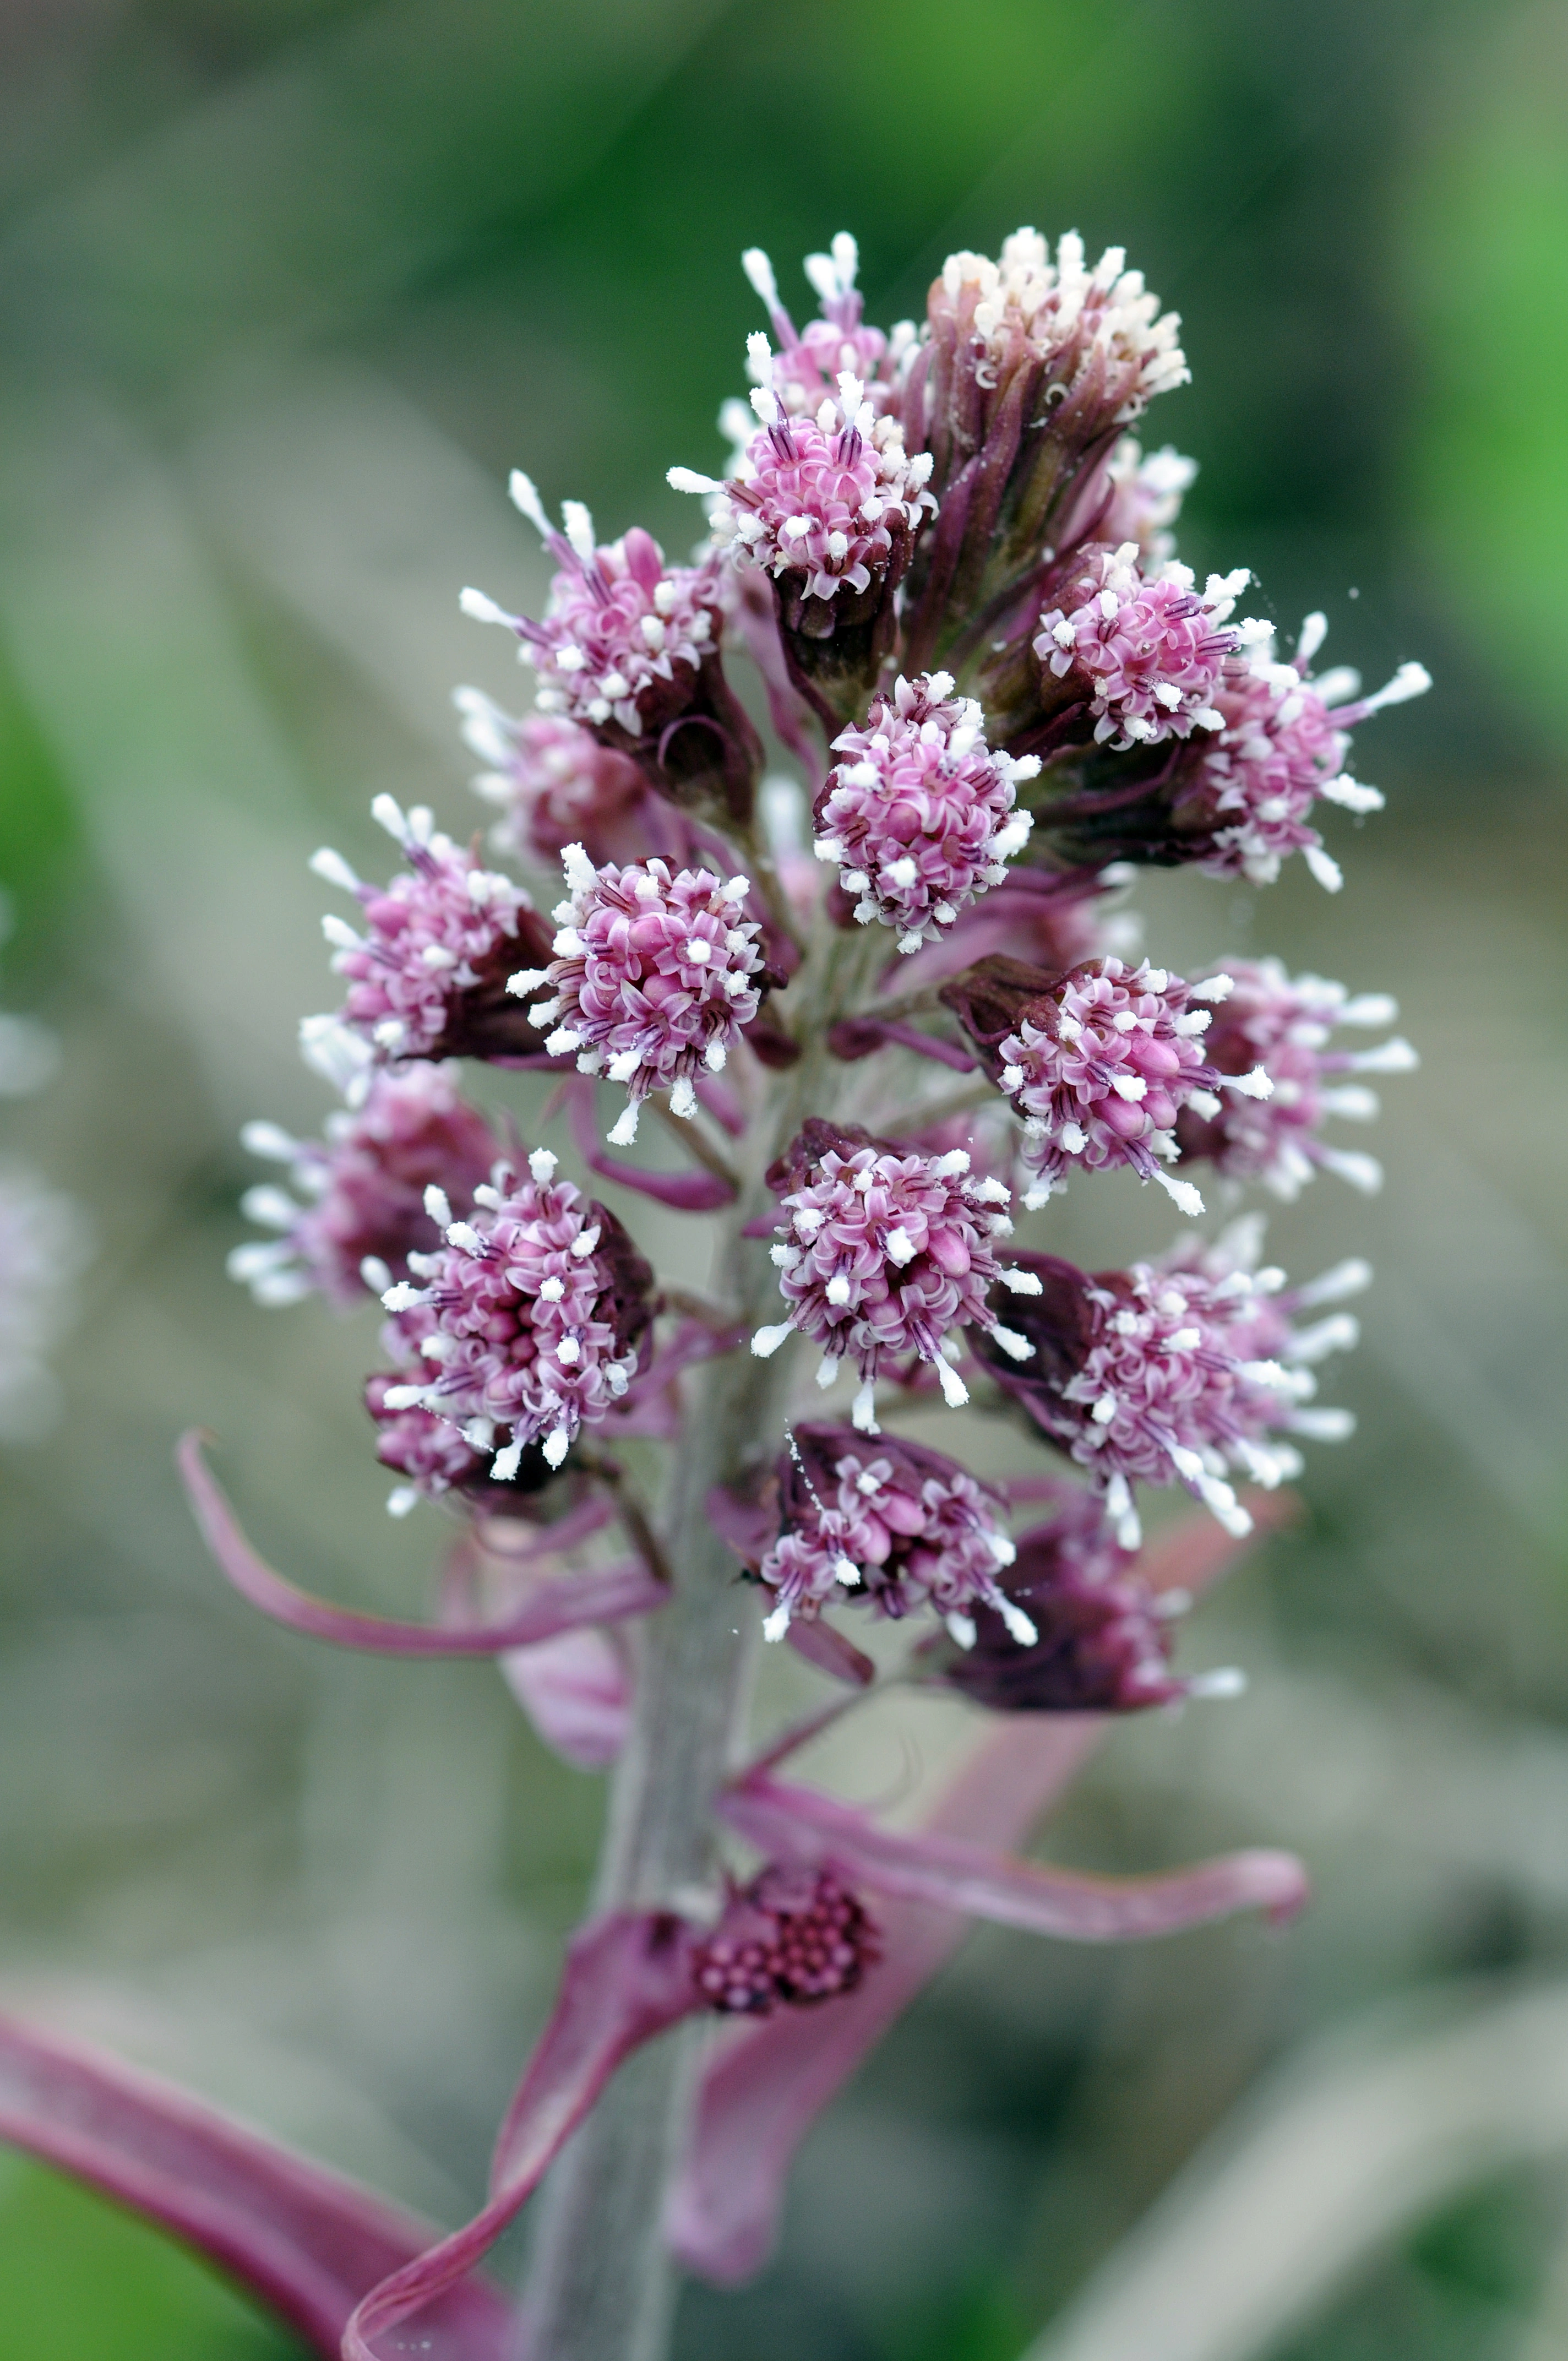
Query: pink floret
x=918 y=813
x=1146 y=649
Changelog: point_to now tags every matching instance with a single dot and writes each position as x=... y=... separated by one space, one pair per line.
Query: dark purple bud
x=791 y=1938
x=1102 y=1646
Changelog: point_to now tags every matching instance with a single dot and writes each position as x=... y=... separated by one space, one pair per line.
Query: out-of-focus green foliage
x=79 y=2278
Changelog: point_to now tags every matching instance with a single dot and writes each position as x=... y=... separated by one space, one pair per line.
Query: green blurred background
x=285 y=288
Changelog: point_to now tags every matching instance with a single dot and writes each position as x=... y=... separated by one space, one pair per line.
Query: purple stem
x=687 y=1193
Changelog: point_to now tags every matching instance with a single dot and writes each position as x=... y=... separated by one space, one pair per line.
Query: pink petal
x=764 y=2087
x=627 y=1977
x=687 y=1192
x=556 y=1603
x=303 y=2240
x=576 y=1691
x=797 y=1823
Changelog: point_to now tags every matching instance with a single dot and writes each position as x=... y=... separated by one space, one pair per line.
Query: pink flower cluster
x=904 y=1528
x=529 y=1319
x=1102 y=1064
x=365 y=1187
x=1184 y=1369
x=1101 y=1643
x=623 y=636
x=438 y=930
x=431 y=1453
x=834 y=498
x=918 y=813
x=1284 y=1025
x=810 y=360
x=881 y=1254
x=551 y=781
x=653 y=977
x=1282 y=741
x=791 y=1937
x=1146 y=649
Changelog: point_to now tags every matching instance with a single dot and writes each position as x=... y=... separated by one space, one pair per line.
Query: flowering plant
x=948 y=568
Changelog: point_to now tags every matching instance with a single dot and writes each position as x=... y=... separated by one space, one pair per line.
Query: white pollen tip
x=766 y=1341
x=556 y=1446
x=624 y=1130
x=1020 y=1627
x=482 y=608
x=776 y=1625
x=1224 y=1681
x=955 y=1393
x=331 y=866
x=1182 y=1195
x=400 y=1499
x=541 y=1163
x=438 y=1206
x=862 y=1413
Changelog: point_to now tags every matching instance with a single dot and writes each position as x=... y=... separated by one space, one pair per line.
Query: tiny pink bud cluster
x=365 y=1188
x=918 y=813
x=791 y=1938
x=1101 y=1066
x=881 y=1255
x=551 y=780
x=1284 y=1026
x=653 y=979
x=1146 y=649
x=431 y=934
x=820 y=497
x=528 y=1319
x=1282 y=743
x=904 y=1528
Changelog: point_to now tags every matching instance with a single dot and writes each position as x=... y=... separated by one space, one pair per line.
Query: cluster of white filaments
x=882 y=1256
x=654 y=976
x=918 y=814
x=515 y=1319
x=428 y=936
x=1195 y=1372
x=810 y=360
x=1101 y=1066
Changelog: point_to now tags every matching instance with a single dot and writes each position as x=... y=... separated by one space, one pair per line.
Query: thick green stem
x=600 y=2288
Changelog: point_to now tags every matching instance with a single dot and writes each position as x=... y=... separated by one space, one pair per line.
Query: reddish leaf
x=556 y=1603
x=304 y=2241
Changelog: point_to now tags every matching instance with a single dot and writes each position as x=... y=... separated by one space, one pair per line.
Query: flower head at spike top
x=830 y=502
x=1080 y=350
x=1284 y=737
x=623 y=636
x=791 y=1938
x=527 y=1321
x=918 y=813
x=1145 y=650
x=653 y=977
x=1099 y=1063
x=426 y=978
x=553 y=784
x=881 y=1255
x=1185 y=1370
x=364 y=1189
x=1101 y=1642
x=1285 y=1025
x=896 y=1525
x=810 y=361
